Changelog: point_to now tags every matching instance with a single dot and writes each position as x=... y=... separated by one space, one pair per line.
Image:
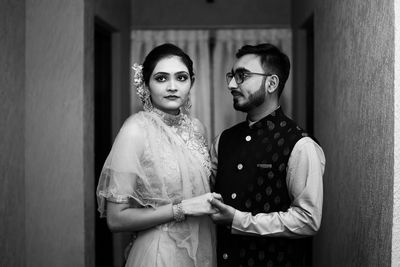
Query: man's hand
x=225 y=212
x=200 y=205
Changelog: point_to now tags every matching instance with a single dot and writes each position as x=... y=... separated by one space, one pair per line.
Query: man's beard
x=254 y=100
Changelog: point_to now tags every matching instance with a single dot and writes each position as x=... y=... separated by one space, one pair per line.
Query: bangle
x=178 y=213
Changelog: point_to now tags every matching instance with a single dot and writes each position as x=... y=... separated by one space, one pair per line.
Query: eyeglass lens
x=239 y=77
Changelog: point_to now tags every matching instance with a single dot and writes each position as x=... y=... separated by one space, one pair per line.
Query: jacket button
x=240 y=166
x=225 y=256
x=248 y=138
x=233 y=195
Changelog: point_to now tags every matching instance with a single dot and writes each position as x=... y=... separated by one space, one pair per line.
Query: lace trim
x=194 y=140
x=198 y=144
x=114 y=197
x=182 y=125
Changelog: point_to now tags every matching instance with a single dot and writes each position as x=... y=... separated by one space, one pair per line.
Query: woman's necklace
x=169 y=119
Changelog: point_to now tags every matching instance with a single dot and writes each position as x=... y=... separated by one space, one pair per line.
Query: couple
x=266 y=172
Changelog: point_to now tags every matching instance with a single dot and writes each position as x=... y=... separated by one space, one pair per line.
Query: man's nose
x=232 y=84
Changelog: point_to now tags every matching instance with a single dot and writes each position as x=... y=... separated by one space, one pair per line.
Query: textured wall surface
x=181 y=13
x=88 y=135
x=396 y=183
x=354 y=107
x=12 y=99
x=54 y=135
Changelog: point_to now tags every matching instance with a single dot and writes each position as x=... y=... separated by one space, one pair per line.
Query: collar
x=253 y=124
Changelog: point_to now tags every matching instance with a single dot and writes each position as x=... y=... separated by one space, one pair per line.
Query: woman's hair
x=164 y=51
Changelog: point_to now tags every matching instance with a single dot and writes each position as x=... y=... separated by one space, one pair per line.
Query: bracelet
x=178 y=213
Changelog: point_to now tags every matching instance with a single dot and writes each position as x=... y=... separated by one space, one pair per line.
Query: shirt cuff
x=237 y=221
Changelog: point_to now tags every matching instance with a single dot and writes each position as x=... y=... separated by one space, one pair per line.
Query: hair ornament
x=137 y=74
x=138 y=81
x=141 y=90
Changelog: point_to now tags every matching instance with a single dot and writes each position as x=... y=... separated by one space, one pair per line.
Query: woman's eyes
x=182 y=77
x=164 y=78
x=160 y=78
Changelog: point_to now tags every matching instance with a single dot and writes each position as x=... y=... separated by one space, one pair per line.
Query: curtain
x=196 y=44
x=213 y=57
x=227 y=42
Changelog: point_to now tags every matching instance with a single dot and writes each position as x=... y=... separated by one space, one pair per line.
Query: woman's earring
x=146 y=100
x=187 y=105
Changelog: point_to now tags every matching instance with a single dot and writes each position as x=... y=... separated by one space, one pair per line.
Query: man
x=267 y=169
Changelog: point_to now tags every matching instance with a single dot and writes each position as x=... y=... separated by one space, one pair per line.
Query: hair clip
x=138 y=81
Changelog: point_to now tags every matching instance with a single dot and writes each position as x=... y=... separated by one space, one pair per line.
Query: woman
x=155 y=180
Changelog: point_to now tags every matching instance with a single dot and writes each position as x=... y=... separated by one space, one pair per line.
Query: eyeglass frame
x=234 y=75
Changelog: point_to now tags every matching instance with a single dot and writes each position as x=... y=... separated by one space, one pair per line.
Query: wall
x=182 y=13
x=57 y=158
x=354 y=118
x=117 y=15
x=12 y=99
x=87 y=121
x=396 y=183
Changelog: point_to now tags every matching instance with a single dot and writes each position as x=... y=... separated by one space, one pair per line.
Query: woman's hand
x=200 y=205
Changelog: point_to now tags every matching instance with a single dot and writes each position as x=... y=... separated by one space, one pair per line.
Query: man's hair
x=273 y=60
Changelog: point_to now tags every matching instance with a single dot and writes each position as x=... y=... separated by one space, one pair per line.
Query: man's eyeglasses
x=241 y=76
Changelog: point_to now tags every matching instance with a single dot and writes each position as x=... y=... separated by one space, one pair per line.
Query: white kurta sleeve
x=304 y=182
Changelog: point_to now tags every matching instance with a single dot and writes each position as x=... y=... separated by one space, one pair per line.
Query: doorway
x=309 y=77
x=102 y=127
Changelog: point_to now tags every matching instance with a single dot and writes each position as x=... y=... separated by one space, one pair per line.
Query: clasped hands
x=200 y=205
x=209 y=204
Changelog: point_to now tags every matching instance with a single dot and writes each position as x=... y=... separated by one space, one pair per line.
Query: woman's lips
x=172 y=97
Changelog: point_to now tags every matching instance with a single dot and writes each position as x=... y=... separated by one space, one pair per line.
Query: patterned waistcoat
x=252 y=165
